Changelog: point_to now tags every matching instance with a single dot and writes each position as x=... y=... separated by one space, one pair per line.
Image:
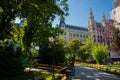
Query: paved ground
x=85 y=73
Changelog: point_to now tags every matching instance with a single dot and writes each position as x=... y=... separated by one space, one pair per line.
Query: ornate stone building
x=115 y=13
x=94 y=28
x=97 y=28
x=100 y=30
x=71 y=31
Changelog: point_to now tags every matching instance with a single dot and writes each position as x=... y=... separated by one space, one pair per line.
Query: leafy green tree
x=8 y=11
x=85 y=49
x=99 y=51
x=82 y=56
x=53 y=51
x=73 y=48
x=40 y=24
x=39 y=15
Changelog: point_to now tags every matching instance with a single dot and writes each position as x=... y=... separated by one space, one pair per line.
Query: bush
x=12 y=60
x=99 y=51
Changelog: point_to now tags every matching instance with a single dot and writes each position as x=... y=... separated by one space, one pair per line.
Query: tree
x=54 y=50
x=8 y=11
x=40 y=24
x=37 y=13
x=73 y=48
x=115 y=43
x=99 y=51
x=86 y=48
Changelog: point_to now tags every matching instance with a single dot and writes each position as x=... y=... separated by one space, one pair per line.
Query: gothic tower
x=103 y=19
x=91 y=21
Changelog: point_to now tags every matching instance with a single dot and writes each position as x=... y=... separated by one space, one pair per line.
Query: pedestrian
x=71 y=73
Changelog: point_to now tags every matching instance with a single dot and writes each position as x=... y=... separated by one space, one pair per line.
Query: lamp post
x=51 y=39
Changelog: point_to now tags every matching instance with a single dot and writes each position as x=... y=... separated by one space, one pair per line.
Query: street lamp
x=51 y=39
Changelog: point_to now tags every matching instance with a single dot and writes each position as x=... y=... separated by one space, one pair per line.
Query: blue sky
x=79 y=11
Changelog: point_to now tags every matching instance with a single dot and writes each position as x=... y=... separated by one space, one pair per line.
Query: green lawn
x=31 y=75
x=25 y=76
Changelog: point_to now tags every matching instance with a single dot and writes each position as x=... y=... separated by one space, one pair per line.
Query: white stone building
x=115 y=13
x=71 y=31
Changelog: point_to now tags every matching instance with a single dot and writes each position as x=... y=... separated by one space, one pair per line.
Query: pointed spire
x=91 y=13
x=91 y=21
x=103 y=17
x=90 y=10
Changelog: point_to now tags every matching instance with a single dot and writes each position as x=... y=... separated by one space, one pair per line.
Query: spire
x=91 y=14
x=103 y=17
x=91 y=21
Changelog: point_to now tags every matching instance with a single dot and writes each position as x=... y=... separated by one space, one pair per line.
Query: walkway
x=85 y=73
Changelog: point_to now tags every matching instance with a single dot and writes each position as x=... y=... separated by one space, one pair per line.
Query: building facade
x=115 y=13
x=94 y=28
x=71 y=31
x=101 y=31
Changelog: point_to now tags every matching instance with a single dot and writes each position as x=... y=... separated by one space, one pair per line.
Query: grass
x=56 y=77
x=31 y=75
x=25 y=76
x=113 y=65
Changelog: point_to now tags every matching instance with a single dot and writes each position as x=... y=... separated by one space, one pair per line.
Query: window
x=80 y=35
x=77 y=35
x=83 y=36
x=70 y=34
x=64 y=33
x=73 y=35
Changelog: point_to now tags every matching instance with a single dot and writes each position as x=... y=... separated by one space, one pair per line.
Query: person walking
x=71 y=71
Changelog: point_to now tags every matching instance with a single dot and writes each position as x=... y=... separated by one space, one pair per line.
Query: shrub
x=99 y=51
x=12 y=60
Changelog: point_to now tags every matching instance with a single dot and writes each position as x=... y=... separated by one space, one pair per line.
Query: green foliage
x=32 y=55
x=59 y=51
x=12 y=60
x=85 y=48
x=25 y=76
x=73 y=49
x=37 y=12
x=8 y=11
x=87 y=45
x=99 y=51
x=38 y=15
x=82 y=55
x=18 y=32
x=52 y=51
